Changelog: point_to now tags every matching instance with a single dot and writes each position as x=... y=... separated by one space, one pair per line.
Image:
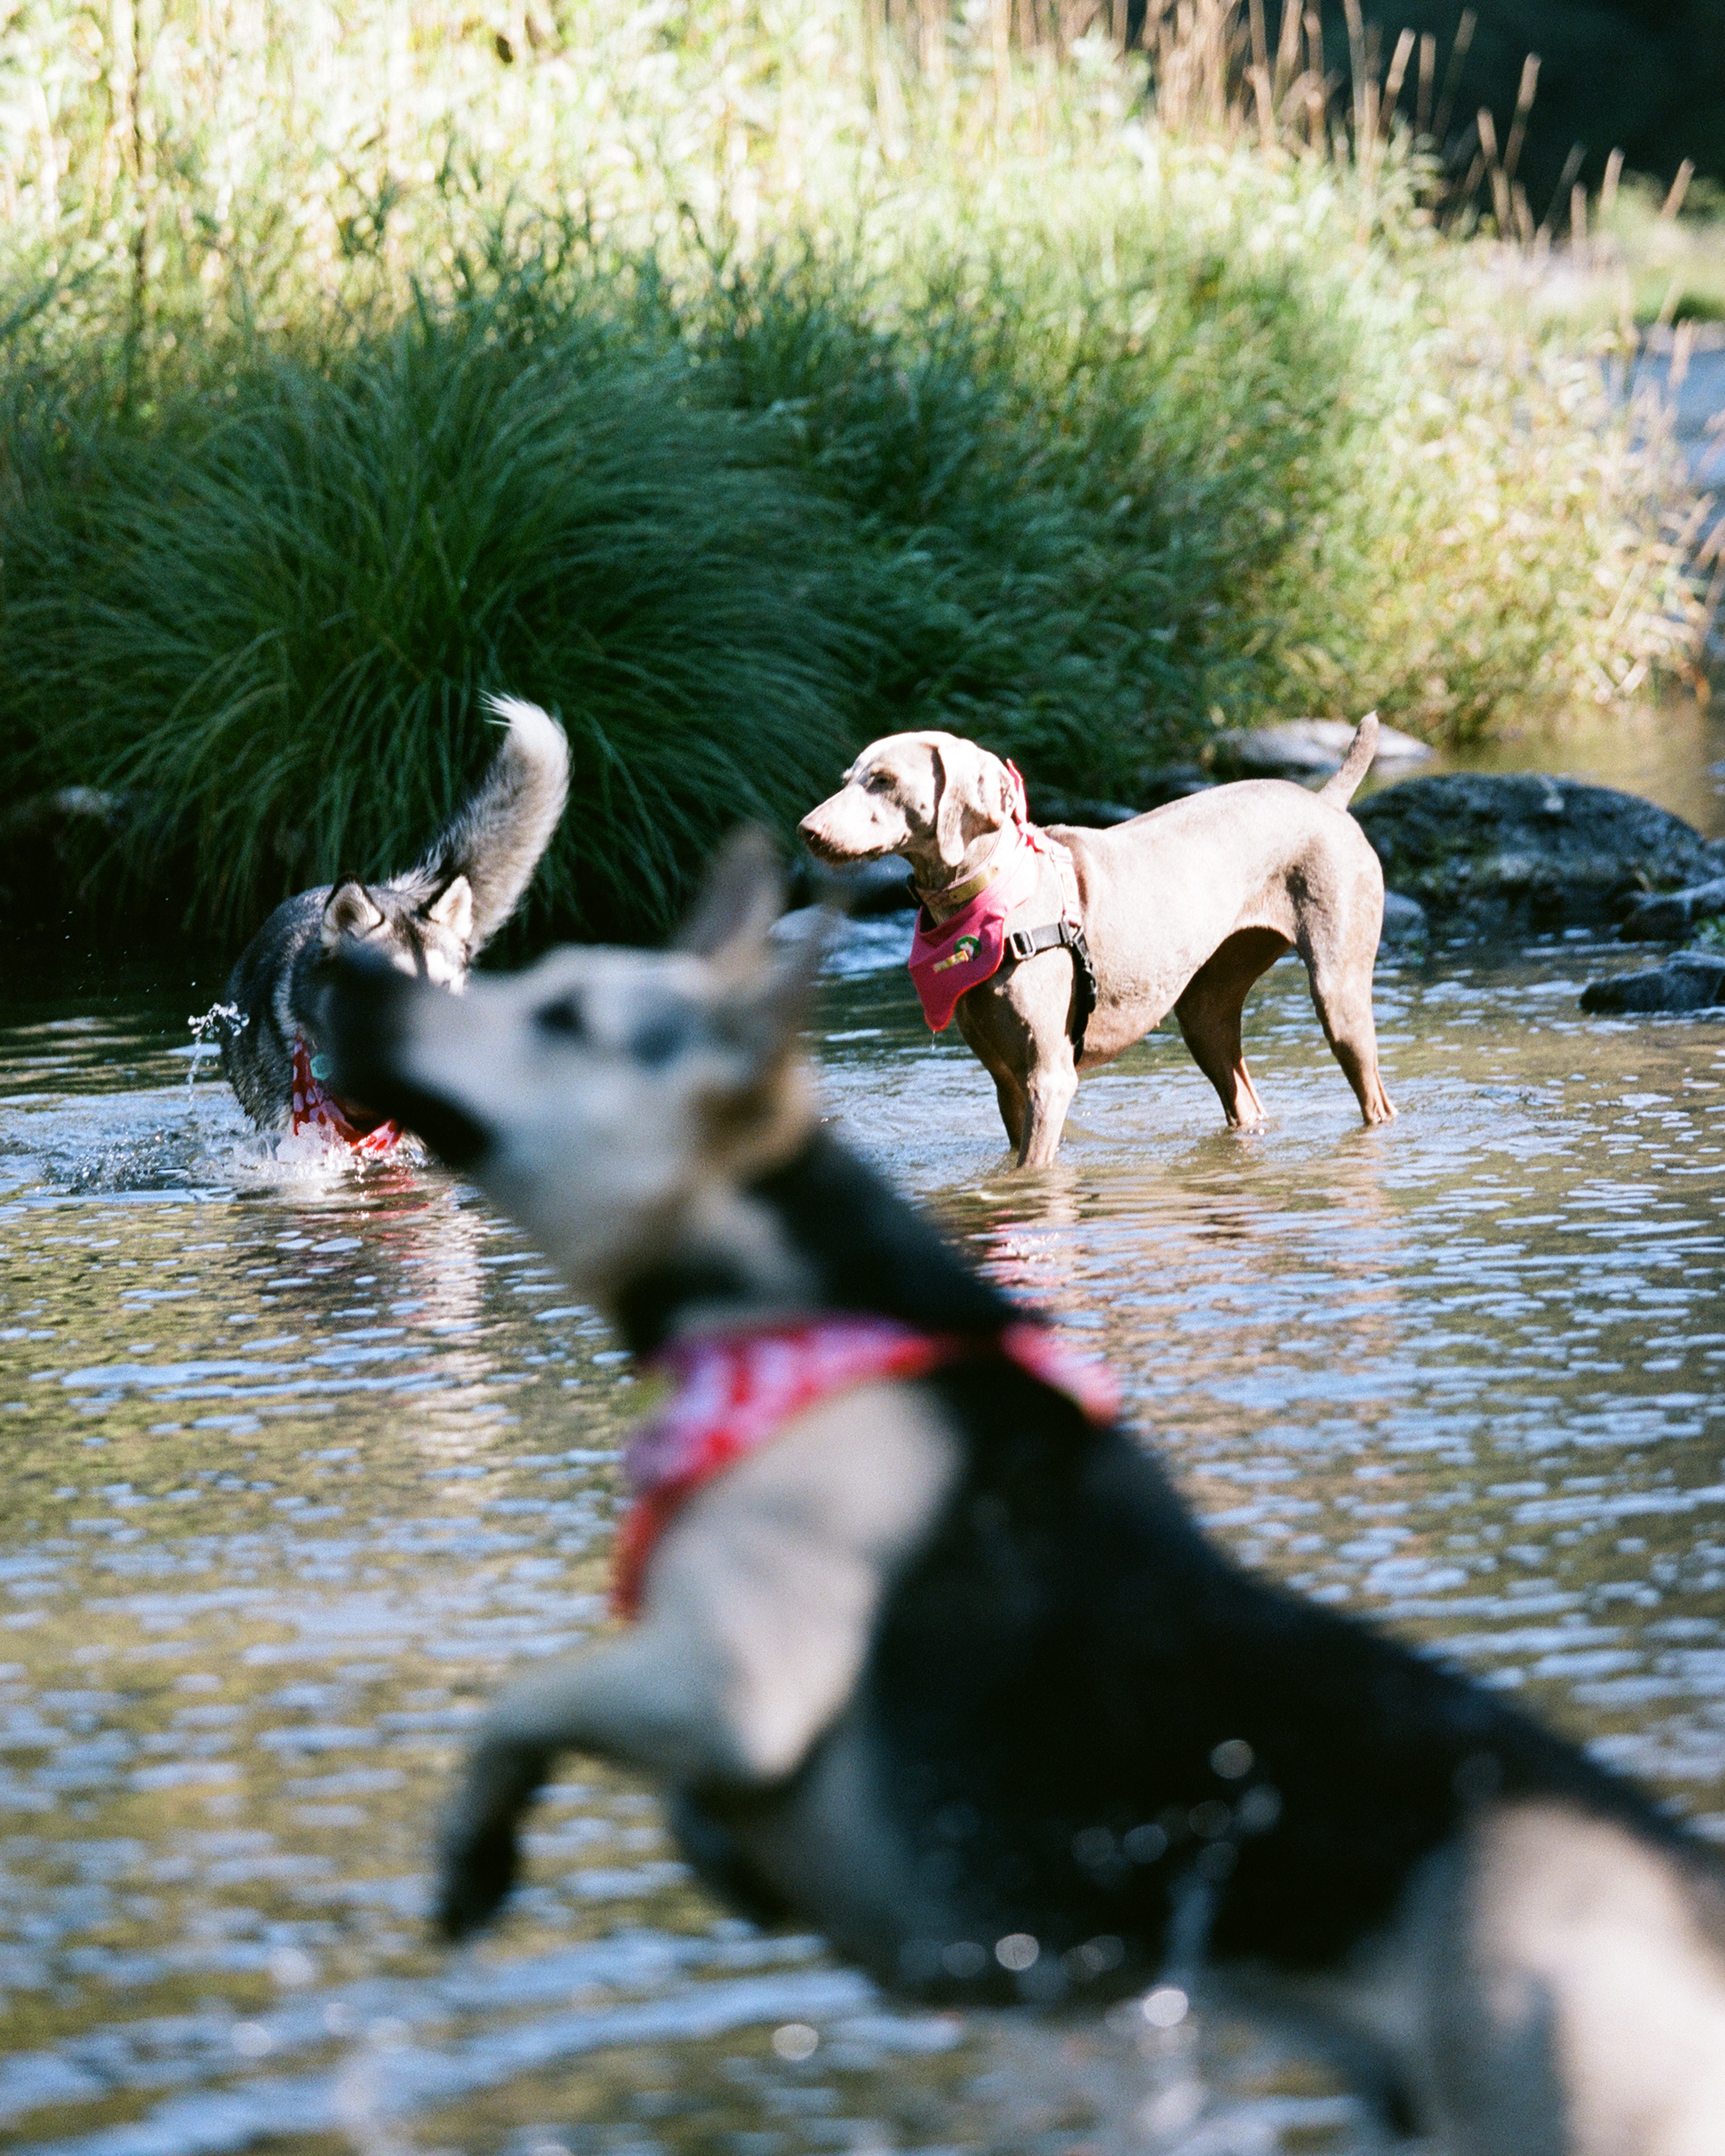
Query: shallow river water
x=298 y=1463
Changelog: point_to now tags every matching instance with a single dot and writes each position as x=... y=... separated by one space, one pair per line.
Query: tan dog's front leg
x=1015 y=1025
x=1049 y=1089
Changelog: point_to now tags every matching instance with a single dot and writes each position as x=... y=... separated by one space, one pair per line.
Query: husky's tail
x=496 y=839
x=1338 y=790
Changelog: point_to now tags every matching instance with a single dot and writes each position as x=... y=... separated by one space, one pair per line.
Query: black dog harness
x=1023 y=943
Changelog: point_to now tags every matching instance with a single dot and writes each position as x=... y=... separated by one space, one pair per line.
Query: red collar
x=314 y=1109
x=737 y=1390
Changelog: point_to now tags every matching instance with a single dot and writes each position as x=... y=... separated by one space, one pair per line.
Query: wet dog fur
x=953 y=1675
x=1183 y=908
x=432 y=921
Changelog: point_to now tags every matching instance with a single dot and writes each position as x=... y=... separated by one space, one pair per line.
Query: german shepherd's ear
x=350 y=910
x=741 y=897
x=766 y=984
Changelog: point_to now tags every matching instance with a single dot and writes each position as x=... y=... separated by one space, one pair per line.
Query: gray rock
x=1404 y=920
x=1502 y=855
x=67 y=804
x=1670 y=916
x=1692 y=980
x=1309 y=748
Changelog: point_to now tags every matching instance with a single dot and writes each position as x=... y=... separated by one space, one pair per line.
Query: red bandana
x=736 y=1391
x=951 y=956
x=313 y=1109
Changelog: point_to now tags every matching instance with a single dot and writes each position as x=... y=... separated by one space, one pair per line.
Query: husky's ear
x=452 y=909
x=739 y=901
x=349 y=910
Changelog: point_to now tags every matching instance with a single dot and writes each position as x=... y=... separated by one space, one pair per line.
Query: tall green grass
x=273 y=613
x=741 y=390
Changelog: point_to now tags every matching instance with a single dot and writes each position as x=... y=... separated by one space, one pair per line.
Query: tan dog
x=1182 y=909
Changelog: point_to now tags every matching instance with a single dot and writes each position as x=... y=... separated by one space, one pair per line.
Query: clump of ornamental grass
x=269 y=616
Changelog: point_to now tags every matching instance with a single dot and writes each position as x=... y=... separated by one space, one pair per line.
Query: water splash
x=225 y=1021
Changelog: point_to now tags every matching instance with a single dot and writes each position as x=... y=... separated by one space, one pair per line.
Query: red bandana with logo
x=948 y=956
x=313 y=1109
x=736 y=1391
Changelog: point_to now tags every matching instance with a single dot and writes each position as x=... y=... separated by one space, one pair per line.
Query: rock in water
x=1667 y=918
x=1309 y=748
x=1404 y=919
x=1693 y=981
x=1500 y=855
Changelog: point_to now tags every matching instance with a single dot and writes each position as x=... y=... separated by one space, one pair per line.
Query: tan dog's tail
x=1338 y=790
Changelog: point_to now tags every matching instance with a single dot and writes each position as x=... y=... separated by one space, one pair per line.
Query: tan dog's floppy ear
x=948 y=811
x=349 y=910
x=973 y=791
x=739 y=901
x=452 y=909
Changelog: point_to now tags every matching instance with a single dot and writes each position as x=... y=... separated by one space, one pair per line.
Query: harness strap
x=1023 y=943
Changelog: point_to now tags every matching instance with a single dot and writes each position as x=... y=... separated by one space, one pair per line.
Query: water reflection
x=298 y=1464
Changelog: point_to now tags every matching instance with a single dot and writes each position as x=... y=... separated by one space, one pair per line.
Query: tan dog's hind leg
x=1209 y=1010
x=1342 y=995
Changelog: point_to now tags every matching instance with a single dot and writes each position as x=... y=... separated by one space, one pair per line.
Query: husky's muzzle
x=367 y=1016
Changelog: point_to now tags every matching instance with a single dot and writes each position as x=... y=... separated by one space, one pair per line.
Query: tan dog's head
x=929 y=797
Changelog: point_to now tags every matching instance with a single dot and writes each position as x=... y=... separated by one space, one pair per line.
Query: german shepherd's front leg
x=650 y=1699
x=760 y=1602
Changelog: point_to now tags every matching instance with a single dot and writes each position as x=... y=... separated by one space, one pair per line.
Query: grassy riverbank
x=742 y=387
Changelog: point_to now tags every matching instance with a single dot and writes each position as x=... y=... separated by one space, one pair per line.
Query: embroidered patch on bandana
x=315 y=1109
x=736 y=1391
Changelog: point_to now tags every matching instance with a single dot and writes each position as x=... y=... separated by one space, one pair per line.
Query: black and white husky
x=947 y=1669
x=432 y=921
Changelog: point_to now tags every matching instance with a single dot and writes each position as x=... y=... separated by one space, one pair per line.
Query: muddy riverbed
x=299 y=1461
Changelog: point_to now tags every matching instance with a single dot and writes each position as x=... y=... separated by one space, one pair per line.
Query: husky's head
x=613 y=1100
x=416 y=930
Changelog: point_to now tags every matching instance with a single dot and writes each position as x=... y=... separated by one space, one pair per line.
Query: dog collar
x=960 y=894
x=316 y=1109
x=735 y=1391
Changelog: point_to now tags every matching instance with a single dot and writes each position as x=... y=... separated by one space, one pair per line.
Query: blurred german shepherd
x=430 y=922
x=943 y=1665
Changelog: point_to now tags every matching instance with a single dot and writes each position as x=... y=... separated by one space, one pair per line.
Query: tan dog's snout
x=854 y=824
x=819 y=833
